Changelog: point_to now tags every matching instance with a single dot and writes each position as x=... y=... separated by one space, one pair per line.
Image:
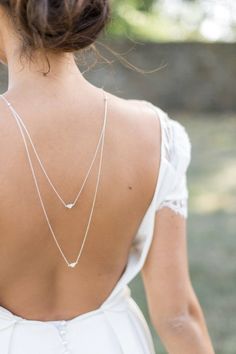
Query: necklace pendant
x=72 y=265
x=70 y=205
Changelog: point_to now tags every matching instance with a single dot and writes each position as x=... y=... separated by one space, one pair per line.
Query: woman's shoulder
x=137 y=117
x=175 y=140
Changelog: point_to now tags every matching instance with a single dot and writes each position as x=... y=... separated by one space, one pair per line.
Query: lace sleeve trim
x=180 y=207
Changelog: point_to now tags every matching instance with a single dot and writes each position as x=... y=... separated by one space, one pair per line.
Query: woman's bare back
x=35 y=281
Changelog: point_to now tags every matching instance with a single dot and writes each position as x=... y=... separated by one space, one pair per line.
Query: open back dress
x=118 y=325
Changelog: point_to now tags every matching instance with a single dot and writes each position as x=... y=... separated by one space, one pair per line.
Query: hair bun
x=59 y=25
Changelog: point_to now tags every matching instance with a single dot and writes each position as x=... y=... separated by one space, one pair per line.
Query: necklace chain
x=102 y=138
x=67 y=205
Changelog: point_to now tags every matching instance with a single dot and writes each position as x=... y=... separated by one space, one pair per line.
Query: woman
x=93 y=190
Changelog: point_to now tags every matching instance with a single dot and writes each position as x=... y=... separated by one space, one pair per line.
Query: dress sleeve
x=176 y=153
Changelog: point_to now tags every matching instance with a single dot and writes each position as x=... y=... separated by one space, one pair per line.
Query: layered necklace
x=24 y=132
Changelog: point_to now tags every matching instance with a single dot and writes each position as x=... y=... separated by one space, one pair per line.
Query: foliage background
x=162 y=20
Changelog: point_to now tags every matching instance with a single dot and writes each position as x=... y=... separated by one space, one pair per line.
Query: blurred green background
x=166 y=20
x=212 y=128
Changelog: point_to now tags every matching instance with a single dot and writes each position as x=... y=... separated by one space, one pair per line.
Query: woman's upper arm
x=165 y=272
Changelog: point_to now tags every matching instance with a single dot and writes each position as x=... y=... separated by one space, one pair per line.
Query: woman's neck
x=63 y=72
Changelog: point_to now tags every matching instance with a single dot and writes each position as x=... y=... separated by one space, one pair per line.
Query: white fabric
x=118 y=326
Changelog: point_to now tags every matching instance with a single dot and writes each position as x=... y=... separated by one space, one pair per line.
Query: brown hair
x=57 y=25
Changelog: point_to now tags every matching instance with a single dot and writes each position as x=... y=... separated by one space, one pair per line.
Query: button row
x=62 y=331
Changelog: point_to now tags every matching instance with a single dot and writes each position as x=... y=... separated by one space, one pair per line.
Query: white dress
x=118 y=325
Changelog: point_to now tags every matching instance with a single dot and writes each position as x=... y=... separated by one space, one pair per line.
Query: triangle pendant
x=72 y=265
x=70 y=205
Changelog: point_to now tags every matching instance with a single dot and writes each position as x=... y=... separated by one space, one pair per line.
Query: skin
x=57 y=111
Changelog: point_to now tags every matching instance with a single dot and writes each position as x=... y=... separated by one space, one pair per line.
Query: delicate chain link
x=16 y=115
x=73 y=264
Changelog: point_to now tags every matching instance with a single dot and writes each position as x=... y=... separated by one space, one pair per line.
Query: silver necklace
x=19 y=120
x=69 y=264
